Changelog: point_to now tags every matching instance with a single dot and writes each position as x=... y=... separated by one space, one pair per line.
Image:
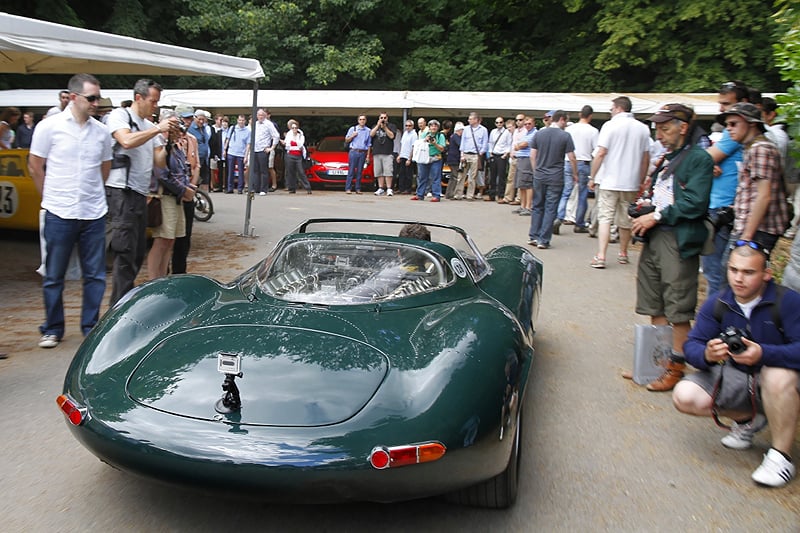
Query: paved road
x=600 y=454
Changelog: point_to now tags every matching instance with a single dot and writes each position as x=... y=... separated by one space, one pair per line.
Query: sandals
x=597 y=262
x=622 y=259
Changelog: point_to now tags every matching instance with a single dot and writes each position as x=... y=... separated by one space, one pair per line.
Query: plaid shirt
x=761 y=161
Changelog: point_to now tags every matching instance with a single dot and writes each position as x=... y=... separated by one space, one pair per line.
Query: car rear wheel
x=499 y=492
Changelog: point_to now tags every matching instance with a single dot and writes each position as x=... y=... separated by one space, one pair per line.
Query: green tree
x=787 y=58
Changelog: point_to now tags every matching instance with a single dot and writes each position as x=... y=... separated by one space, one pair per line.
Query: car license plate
x=229 y=363
x=337 y=172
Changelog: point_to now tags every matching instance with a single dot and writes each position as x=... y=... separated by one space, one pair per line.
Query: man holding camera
x=754 y=341
x=674 y=234
x=383 y=135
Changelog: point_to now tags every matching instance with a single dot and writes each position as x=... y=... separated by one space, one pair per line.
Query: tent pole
x=248 y=231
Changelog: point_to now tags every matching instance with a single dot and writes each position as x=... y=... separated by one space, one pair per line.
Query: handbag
x=154 y=216
x=420 y=152
x=734 y=391
x=651 y=351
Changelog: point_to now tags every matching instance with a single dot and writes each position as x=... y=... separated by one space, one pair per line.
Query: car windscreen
x=331 y=145
x=350 y=272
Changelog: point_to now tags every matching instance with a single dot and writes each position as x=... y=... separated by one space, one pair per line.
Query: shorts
x=613 y=207
x=173 y=224
x=524 y=175
x=666 y=285
x=708 y=379
x=271 y=163
x=383 y=165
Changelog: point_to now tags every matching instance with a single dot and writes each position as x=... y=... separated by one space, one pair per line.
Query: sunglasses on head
x=752 y=244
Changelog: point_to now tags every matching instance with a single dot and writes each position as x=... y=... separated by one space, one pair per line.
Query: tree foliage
x=479 y=45
x=787 y=59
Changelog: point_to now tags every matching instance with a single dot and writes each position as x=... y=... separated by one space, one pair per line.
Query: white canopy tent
x=29 y=46
x=431 y=104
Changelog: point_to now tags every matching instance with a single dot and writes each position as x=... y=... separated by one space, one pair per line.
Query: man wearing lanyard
x=360 y=142
x=474 y=142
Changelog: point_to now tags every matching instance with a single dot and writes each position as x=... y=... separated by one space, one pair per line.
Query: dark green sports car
x=350 y=364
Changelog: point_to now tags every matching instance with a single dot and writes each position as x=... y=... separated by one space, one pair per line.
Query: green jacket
x=693 y=178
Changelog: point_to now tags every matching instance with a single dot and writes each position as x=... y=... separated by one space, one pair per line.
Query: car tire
x=499 y=492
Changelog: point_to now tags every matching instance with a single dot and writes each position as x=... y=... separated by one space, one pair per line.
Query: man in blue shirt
x=360 y=141
x=727 y=155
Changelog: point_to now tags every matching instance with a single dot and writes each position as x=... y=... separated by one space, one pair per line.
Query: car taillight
x=412 y=454
x=75 y=413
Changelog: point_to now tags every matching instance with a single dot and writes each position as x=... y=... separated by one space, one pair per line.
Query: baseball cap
x=184 y=111
x=671 y=112
x=459 y=126
x=550 y=113
x=747 y=111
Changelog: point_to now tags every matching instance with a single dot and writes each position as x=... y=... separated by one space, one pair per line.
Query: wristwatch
x=657 y=215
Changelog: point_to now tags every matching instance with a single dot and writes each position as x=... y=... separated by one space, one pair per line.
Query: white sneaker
x=49 y=341
x=775 y=470
x=262 y=193
x=379 y=192
x=741 y=435
x=389 y=192
x=429 y=195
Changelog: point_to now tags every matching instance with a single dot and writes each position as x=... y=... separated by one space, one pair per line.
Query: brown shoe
x=671 y=376
x=627 y=374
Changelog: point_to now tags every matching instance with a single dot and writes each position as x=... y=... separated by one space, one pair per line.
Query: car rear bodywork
x=322 y=385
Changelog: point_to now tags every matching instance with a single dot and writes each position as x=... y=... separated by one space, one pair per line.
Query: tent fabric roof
x=29 y=46
x=430 y=104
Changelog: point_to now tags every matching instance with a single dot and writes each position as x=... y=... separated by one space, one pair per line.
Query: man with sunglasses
x=727 y=155
x=70 y=158
x=762 y=372
x=760 y=203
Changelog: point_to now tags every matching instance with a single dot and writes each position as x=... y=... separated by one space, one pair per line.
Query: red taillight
x=74 y=413
x=383 y=457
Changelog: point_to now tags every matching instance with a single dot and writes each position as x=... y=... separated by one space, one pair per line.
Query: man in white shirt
x=63 y=100
x=619 y=168
x=70 y=158
x=267 y=139
x=499 y=151
x=138 y=146
x=584 y=136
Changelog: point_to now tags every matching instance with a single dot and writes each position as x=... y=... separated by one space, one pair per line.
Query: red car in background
x=329 y=164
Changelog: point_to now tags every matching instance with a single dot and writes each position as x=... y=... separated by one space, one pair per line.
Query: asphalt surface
x=599 y=453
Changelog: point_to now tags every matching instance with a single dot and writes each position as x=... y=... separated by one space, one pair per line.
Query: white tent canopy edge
x=30 y=46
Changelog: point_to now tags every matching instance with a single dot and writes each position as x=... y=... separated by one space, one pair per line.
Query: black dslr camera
x=732 y=336
x=637 y=209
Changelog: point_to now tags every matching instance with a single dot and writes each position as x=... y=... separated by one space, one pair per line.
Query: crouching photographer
x=746 y=344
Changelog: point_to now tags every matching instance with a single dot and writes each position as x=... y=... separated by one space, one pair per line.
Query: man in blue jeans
x=360 y=142
x=548 y=149
x=584 y=136
x=70 y=160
